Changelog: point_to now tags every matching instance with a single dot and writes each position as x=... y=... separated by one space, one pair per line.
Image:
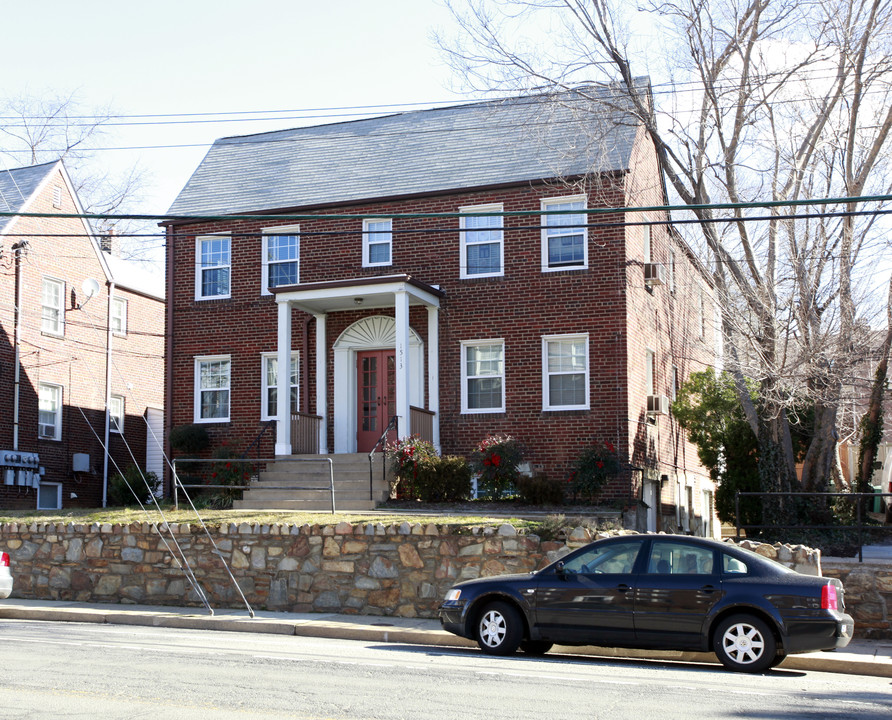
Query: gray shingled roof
x=453 y=148
x=17 y=185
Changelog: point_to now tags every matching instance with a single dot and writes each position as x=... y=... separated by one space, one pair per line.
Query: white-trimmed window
x=377 y=242
x=212 y=383
x=564 y=235
x=672 y=270
x=701 y=313
x=52 y=313
x=116 y=413
x=49 y=421
x=49 y=496
x=650 y=371
x=213 y=265
x=281 y=257
x=481 y=241
x=269 y=380
x=565 y=372
x=483 y=376
x=646 y=243
x=119 y=316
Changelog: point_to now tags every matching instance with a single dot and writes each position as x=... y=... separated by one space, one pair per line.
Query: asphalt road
x=72 y=670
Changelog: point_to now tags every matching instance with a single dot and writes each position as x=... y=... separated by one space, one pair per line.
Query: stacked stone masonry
x=369 y=569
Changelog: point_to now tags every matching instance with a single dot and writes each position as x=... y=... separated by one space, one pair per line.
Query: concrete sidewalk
x=861 y=657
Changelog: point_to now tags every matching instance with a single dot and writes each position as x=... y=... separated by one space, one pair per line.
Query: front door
x=376 y=404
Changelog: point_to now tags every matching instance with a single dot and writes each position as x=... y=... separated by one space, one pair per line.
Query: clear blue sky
x=200 y=56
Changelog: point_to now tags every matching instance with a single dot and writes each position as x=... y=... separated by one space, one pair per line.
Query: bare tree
x=776 y=101
x=34 y=130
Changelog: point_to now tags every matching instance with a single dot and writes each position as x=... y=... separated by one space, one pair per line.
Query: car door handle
x=623 y=587
x=708 y=589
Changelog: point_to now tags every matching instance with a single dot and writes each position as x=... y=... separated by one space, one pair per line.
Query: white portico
x=378 y=361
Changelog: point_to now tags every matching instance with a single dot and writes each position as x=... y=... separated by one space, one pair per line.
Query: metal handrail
x=266 y=426
x=392 y=425
x=859 y=524
x=177 y=483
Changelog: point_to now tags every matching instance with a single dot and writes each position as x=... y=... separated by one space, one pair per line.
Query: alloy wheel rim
x=743 y=643
x=492 y=629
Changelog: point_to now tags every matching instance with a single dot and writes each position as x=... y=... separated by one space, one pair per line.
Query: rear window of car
x=733 y=566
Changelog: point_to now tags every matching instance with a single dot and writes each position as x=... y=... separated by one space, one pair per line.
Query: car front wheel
x=499 y=629
x=745 y=643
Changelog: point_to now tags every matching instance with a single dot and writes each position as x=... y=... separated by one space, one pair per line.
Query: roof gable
x=467 y=146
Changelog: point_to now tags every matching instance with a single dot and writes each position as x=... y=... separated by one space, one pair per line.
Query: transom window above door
x=281 y=257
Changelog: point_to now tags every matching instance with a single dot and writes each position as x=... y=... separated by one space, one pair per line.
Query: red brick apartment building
x=440 y=266
x=81 y=330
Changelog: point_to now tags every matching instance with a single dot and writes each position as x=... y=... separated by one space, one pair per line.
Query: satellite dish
x=90 y=288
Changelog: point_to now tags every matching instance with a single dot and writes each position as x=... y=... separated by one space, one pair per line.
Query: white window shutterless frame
x=482 y=242
x=565 y=372
x=483 y=376
x=377 y=242
x=281 y=257
x=565 y=235
x=213 y=266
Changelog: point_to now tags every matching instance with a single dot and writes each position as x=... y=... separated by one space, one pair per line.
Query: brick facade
x=607 y=302
x=75 y=359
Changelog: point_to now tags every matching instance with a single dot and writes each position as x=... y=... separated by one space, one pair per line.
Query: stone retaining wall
x=868 y=594
x=369 y=569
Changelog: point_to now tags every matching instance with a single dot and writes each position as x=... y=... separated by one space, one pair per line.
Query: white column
x=401 y=307
x=322 y=382
x=283 y=380
x=433 y=369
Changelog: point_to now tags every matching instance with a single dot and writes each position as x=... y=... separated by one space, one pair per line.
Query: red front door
x=376 y=404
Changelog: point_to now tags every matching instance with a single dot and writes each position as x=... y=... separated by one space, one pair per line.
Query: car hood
x=500 y=579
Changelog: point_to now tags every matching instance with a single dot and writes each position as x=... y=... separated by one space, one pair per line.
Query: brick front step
x=304 y=484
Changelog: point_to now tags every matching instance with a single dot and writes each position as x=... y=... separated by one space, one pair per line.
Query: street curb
x=379 y=630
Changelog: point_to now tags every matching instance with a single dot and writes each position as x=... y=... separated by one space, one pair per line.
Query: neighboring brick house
x=420 y=245
x=72 y=320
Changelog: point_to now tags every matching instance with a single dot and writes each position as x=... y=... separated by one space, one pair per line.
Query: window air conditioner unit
x=657 y=405
x=654 y=274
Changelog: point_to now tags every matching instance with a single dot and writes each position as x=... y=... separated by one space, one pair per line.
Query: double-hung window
x=565 y=372
x=52 y=315
x=564 y=234
x=49 y=421
x=212 y=384
x=281 y=257
x=213 y=264
x=483 y=376
x=377 y=242
x=481 y=242
x=116 y=413
x=269 y=391
x=119 y=316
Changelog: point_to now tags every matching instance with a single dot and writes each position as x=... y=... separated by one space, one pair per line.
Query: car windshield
x=604 y=558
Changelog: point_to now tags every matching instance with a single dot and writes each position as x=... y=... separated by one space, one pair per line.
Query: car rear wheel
x=499 y=629
x=745 y=643
x=536 y=647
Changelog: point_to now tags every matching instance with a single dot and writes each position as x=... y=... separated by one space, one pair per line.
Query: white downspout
x=108 y=379
x=18 y=343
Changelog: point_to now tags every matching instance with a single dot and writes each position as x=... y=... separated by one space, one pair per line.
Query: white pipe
x=108 y=379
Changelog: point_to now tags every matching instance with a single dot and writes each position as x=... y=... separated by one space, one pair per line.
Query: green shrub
x=189 y=439
x=594 y=465
x=540 y=490
x=496 y=462
x=119 y=492
x=410 y=459
x=443 y=479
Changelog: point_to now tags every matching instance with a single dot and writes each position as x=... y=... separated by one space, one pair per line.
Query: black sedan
x=665 y=592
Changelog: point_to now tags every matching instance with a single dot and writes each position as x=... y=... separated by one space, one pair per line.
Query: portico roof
x=351 y=294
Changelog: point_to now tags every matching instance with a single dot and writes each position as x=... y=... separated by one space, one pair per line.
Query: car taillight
x=4 y=559
x=828 y=598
